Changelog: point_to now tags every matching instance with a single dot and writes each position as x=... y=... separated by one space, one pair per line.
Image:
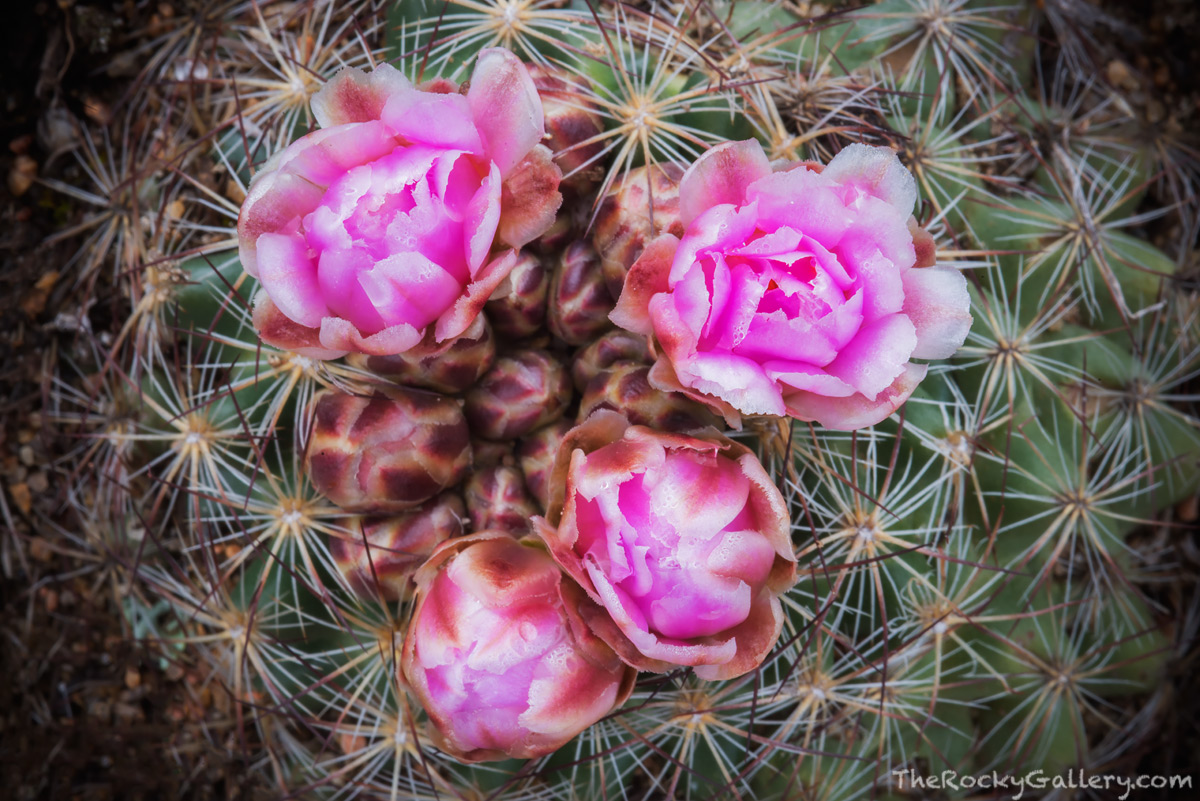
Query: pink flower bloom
x=803 y=292
x=381 y=224
x=682 y=543
x=497 y=655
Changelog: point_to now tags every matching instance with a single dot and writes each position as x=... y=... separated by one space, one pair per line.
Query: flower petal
x=289 y=275
x=352 y=95
x=458 y=318
x=938 y=304
x=721 y=175
x=804 y=200
x=808 y=378
x=339 y=334
x=278 y=330
x=753 y=640
x=409 y=288
x=875 y=171
x=857 y=411
x=481 y=220
x=876 y=356
x=325 y=155
x=647 y=278
x=434 y=120
x=738 y=381
x=338 y=271
x=720 y=228
x=506 y=107
x=276 y=203
x=529 y=198
x=879 y=276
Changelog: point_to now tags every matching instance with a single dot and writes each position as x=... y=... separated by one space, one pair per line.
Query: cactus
x=976 y=574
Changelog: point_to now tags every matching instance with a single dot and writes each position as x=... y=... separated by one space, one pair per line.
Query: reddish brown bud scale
x=626 y=221
x=580 y=302
x=517 y=308
x=378 y=555
x=522 y=391
x=498 y=499
x=388 y=452
x=451 y=366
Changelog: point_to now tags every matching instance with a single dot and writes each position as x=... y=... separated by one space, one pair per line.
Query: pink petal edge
x=937 y=302
x=506 y=107
x=876 y=171
x=464 y=311
x=849 y=414
x=353 y=95
x=721 y=175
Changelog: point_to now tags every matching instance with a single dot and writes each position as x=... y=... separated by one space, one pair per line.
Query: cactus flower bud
x=497 y=499
x=579 y=302
x=626 y=388
x=451 y=366
x=498 y=656
x=626 y=223
x=682 y=544
x=615 y=347
x=517 y=308
x=379 y=554
x=535 y=453
x=571 y=121
x=522 y=391
x=489 y=453
x=388 y=452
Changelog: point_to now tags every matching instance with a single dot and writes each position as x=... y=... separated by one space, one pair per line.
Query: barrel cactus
x=876 y=293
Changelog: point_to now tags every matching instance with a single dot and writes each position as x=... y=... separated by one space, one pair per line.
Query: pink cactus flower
x=384 y=223
x=803 y=291
x=681 y=542
x=498 y=656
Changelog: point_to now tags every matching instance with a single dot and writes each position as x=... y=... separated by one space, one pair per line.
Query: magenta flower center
x=778 y=297
x=389 y=236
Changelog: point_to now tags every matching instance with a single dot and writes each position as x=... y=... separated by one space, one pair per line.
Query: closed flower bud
x=522 y=391
x=626 y=222
x=379 y=555
x=451 y=366
x=571 y=121
x=682 y=544
x=580 y=302
x=489 y=453
x=388 y=452
x=567 y=226
x=498 y=656
x=615 y=347
x=517 y=308
x=497 y=499
x=626 y=388
x=535 y=453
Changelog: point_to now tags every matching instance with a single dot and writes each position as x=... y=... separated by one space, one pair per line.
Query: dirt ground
x=85 y=713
